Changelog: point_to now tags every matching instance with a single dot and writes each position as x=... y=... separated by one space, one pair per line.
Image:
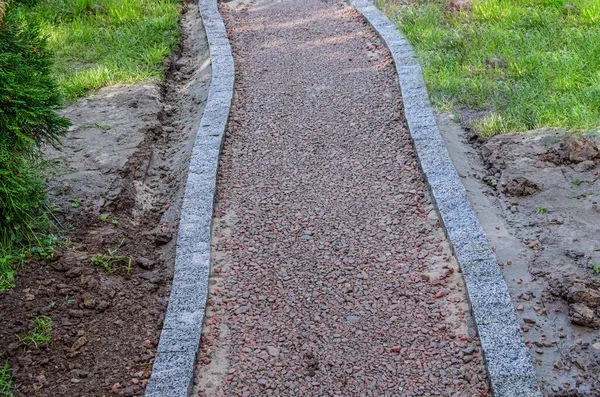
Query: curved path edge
x=174 y=364
x=508 y=360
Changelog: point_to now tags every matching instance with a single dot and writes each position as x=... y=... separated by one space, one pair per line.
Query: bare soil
x=537 y=197
x=117 y=183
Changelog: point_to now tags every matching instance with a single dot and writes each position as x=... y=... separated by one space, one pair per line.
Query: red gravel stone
x=321 y=226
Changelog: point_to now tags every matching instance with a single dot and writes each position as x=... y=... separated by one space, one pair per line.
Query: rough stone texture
x=173 y=367
x=508 y=361
x=330 y=274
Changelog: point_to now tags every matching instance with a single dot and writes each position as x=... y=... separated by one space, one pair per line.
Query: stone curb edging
x=508 y=361
x=175 y=359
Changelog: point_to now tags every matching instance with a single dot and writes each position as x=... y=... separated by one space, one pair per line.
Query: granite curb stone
x=174 y=364
x=508 y=361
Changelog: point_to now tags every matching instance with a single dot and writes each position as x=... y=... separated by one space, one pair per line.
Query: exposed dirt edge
x=508 y=361
x=173 y=367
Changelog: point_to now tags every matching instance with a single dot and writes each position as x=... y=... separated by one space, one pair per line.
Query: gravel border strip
x=175 y=359
x=508 y=361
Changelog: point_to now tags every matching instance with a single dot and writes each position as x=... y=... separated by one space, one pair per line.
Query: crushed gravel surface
x=331 y=274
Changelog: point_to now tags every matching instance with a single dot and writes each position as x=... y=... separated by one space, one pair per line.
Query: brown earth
x=124 y=160
x=537 y=197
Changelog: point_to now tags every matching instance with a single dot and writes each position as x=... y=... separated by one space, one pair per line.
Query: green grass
x=6 y=384
x=41 y=334
x=111 y=262
x=525 y=64
x=97 y=43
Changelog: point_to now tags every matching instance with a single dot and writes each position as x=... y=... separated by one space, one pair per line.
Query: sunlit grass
x=97 y=43
x=526 y=63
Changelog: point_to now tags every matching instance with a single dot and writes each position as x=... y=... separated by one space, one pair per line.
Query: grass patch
x=97 y=43
x=6 y=384
x=525 y=64
x=41 y=334
x=111 y=262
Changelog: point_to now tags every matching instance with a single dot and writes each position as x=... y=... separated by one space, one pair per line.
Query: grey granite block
x=222 y=49
x=202 y=172
x=186 y=318
x=194 y=268
x=189 y=296
x=515 y=386
x=208 y=141
x=477 y=248
x=404 y=59
x=171 y=374
x=197 y=210
x=223 y=82
x=219 y=98
x=447 y=192
x=192 y=232
x=481 y=268
x=179 y=339
x=214 y=123
x=490 y=300
x=422 y=125
x=505 y=349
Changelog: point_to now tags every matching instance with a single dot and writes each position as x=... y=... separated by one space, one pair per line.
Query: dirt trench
x=116 y=184
x=536 y=195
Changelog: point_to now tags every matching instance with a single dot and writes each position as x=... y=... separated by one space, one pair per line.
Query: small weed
x=6 y=384
x=100 y=126
x=584 y=195
x=41 y=334
x=75 y=202
x=597 y=267
x=578 y=182
x=541 y=210
x=104 y=218
x=111 y=261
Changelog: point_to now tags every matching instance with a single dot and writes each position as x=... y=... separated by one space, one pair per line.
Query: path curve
x=508 y=361
x=331 y=273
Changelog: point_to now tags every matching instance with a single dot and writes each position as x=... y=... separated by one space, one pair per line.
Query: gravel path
x=331 y=273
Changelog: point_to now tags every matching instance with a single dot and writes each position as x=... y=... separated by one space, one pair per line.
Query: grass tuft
x=6 y=384
x=41 y=334
x=522 y=64
x=111 y=262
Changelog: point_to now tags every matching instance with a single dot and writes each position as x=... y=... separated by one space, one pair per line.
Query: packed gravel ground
x=331 y=274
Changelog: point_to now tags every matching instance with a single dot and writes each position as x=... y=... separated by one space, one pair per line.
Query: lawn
x=97 y=43
x=521 y=64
